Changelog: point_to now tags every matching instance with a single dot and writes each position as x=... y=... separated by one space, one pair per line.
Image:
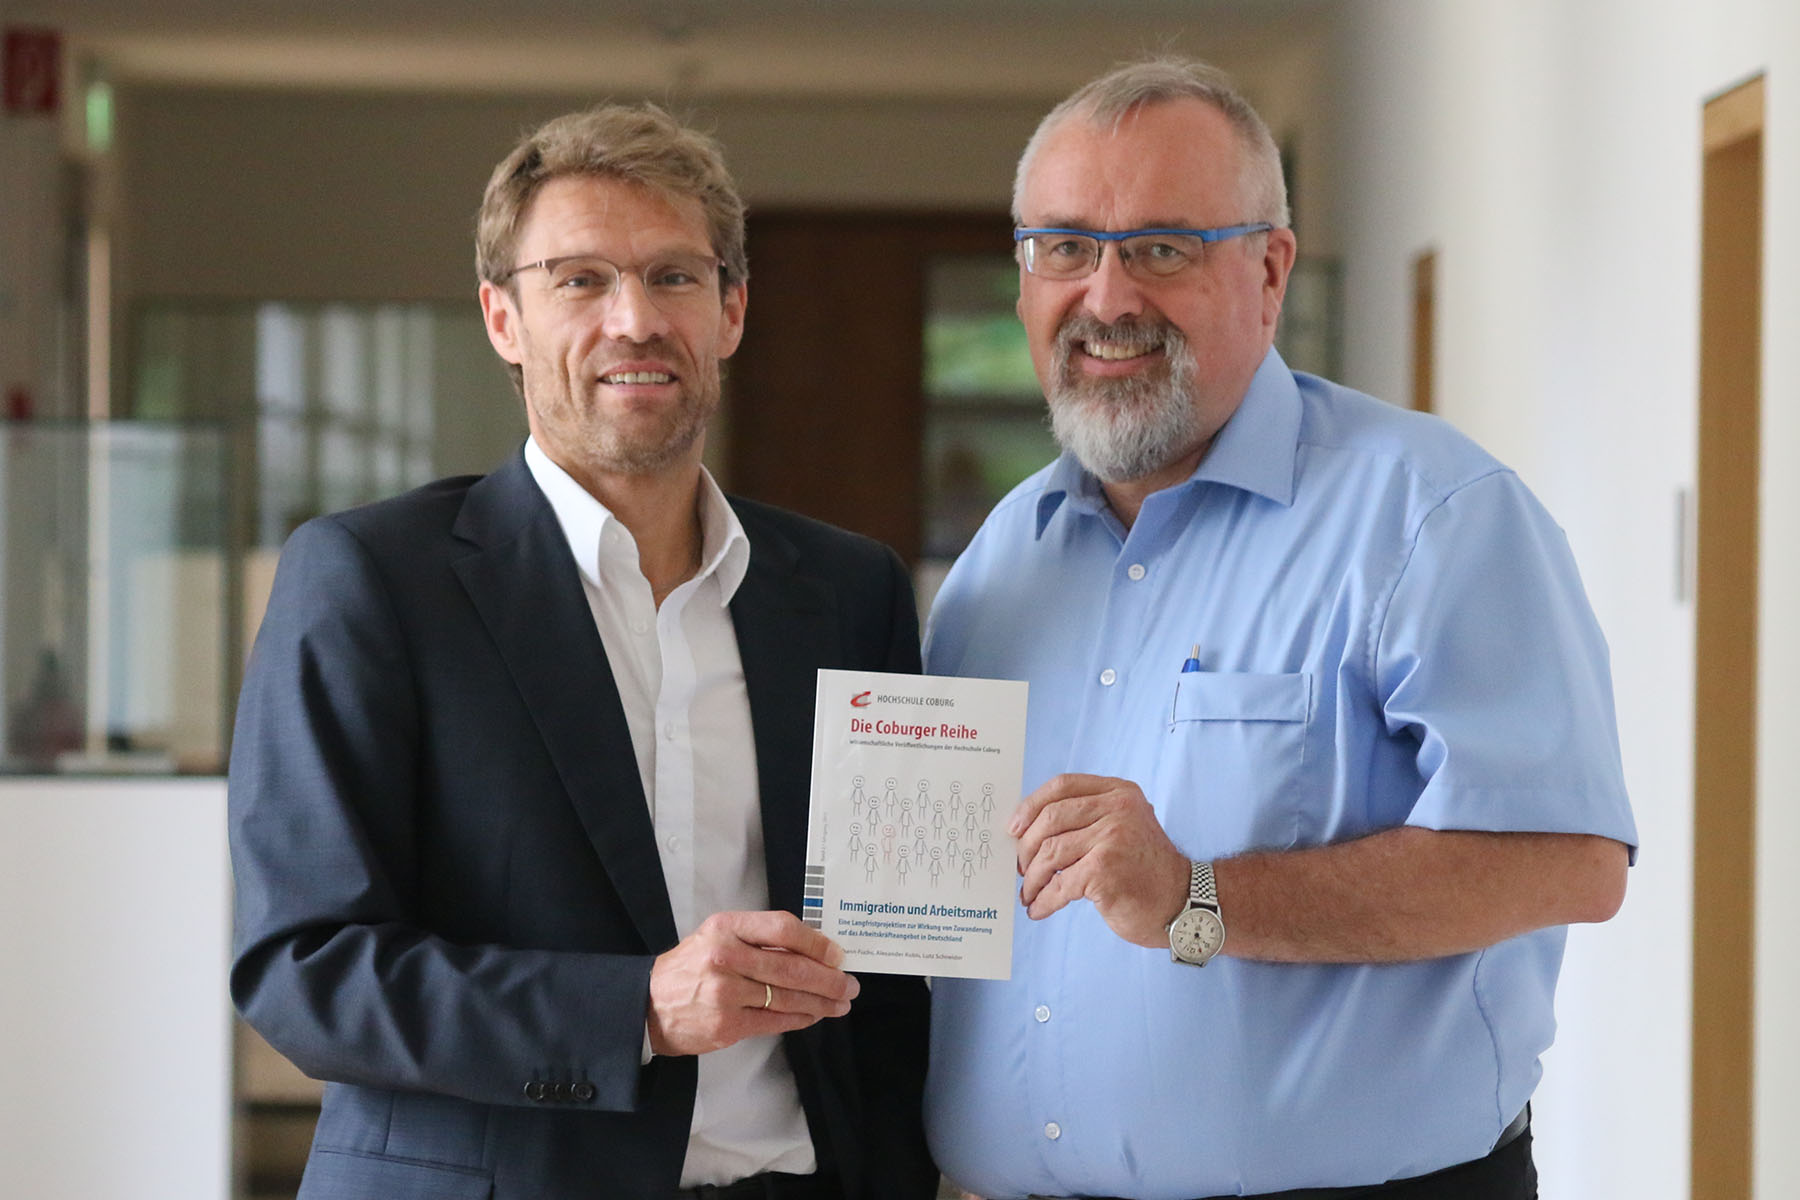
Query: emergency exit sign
x=32 y=67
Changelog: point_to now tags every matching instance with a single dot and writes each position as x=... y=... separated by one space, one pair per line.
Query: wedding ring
x=768 y=995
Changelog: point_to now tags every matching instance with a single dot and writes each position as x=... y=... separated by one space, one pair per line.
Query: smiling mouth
x=630 y=377
x=1111 y=351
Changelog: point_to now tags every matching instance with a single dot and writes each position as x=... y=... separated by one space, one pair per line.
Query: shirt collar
x=724 y=547
x=1256 y=451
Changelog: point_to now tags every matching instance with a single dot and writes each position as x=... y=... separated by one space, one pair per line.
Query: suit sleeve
x=331 y=963
x=890 y=1020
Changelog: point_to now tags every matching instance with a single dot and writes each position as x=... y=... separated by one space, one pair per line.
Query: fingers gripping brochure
x=909 y=864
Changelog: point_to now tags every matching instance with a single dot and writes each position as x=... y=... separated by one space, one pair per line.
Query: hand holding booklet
x=909 y=864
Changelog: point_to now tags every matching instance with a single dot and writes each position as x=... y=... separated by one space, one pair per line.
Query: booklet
x=909 y=864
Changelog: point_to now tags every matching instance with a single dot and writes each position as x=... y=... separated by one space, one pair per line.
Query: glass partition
x=141 y=554
x=113 y=596
x=349 y=402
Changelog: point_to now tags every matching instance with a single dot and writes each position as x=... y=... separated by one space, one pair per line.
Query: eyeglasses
x=672 y=282
x=1146 y=253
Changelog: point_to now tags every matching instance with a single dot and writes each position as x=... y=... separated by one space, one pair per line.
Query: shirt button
x=1042 y=1013
x=1108 y=677
x=669 y=731
x=673 y=842
x=1052 y=1131
x=1136 y=571
x=640 y=627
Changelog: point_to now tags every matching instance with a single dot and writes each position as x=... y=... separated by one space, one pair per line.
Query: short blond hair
x=1108 y=100
x=637 y=143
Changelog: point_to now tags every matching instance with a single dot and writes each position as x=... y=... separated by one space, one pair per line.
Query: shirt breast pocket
x=1232 y=773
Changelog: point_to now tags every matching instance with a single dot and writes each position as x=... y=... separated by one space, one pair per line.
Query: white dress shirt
x=681 y=683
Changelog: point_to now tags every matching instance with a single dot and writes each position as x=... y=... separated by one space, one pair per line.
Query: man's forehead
x=594 y=205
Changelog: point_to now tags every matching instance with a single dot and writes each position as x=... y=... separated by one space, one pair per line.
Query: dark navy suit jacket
x=448 y=889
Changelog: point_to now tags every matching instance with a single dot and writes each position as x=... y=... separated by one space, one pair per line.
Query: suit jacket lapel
x=786 y=629
x=524 y=584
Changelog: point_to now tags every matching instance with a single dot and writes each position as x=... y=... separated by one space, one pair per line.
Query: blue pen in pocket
x=1190 y=667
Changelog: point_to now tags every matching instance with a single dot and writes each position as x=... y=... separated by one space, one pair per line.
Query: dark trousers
x=1505 y=1174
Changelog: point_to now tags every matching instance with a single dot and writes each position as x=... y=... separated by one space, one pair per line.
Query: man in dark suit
x=519 y=784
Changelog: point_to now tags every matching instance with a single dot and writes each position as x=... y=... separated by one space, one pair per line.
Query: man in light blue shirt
x=1314 y=689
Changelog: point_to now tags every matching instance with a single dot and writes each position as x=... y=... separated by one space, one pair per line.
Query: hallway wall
x=1550 y=151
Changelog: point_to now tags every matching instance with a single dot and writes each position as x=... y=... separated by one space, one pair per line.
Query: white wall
x=115 y=1068
x=1550 y=149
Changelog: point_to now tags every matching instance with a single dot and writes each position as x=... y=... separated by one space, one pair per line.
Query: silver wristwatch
x=1197 y=933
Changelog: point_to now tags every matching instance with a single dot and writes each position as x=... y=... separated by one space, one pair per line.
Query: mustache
x=1132 y=332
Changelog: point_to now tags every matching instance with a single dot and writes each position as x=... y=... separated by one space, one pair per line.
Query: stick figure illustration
x=919 y=845
x=887 y=843
x=855 y=837
x=987 y=801
x=987 y=851
x=956 y=801
x=937 y=864
x=890 y=798
x=869 y=864
x=856 y=792
x=937 y=816
x=970 y=823
x=901 y=867
x=906 y=821
x=968 y=866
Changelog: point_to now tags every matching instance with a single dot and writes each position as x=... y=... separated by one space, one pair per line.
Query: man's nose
x=632 y=316
x=1112 y=291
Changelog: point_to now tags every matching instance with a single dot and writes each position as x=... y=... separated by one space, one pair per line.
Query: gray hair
x=1108 y=100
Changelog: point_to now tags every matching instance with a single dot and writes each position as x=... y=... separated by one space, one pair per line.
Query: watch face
x=1197 y=935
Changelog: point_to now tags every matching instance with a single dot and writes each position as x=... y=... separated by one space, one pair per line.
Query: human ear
x=737 y=302
x=1277 y=265
x=500 y=317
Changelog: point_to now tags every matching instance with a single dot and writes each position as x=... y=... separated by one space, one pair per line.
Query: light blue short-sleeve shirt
x=1391 y=631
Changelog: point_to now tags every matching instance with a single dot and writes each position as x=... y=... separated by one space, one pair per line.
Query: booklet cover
x=909 y=865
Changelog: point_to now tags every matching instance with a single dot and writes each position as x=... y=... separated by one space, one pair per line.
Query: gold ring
x=768 y=995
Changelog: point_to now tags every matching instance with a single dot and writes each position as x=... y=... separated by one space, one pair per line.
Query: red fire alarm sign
x=33 y=71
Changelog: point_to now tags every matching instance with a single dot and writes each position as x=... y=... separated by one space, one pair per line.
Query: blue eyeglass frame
x=1218 y=234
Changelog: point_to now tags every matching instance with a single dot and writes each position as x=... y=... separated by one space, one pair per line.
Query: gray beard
x=1124 y=429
